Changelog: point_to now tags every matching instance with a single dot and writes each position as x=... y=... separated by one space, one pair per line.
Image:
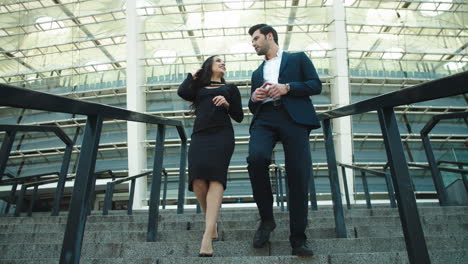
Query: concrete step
x=399 y=257
x=322 y=222
x=280 y=233
x=227 y=248
x=226 y=214
x=375 y=236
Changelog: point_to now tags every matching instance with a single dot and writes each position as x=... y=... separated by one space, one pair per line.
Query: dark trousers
x=274 y=124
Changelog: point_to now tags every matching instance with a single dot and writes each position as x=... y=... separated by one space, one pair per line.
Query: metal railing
x=35 y=184
x=278 y=171
x=14 y=181
x=462 y=172
x=110 y=192
x=9 y=139
x=28 y=181
x=384 y=104
x=435 y=170
x=79 y=205
x=460 y=166
x=282 y=190
x=91 y=193
x=386 y=176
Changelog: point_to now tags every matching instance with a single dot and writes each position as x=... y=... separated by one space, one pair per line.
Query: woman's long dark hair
x=203 y=77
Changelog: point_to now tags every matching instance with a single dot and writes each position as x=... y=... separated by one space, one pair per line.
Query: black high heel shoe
x=205 y=255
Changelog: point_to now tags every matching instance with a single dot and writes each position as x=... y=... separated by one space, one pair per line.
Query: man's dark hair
x=264 y=29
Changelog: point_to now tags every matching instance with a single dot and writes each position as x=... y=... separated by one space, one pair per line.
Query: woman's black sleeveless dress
x=212 y=140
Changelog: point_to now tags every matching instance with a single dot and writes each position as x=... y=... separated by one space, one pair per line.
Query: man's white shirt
x=271 y=70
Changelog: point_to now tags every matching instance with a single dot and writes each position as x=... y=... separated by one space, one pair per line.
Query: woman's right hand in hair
x=195 y=74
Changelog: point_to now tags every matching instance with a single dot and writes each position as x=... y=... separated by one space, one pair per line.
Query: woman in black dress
x=212 y=141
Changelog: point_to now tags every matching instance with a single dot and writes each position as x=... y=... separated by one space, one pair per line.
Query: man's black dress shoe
x=262 y=236
x=205 y=255
x=302 y=251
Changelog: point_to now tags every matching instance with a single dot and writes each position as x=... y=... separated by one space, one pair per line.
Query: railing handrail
x=129 y=178
x=29 y=177
x=452 y=162
x=435 y=119
x=426 y=166
x=9 y=175
x=105 y=172
x=41 y=182
x=42 y=128
x=379 y=173
x=111 y=185
x=422 y=92
x=24 y=98
x=26 y=178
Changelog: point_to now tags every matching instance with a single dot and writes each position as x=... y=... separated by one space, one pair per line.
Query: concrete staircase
x=374 y=236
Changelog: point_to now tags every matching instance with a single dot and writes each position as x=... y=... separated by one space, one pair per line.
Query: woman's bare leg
x=214 y=198
x=200 y=188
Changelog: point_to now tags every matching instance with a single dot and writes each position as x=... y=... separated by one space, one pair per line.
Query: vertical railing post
x=183 y=162
x=312 y=191
x=280 y=180
x=155 y=195
x=12 y=197
x=391 y=192
x=108 y=198
x=340 y=225
x=277 y=186
x=90 y=192
x=411 y=224
x=164 y=190
x=76 y=221
x=436 y=177
x=7 y=144
x=345 y=182
x=463 y=176
x=33 y=200
x=20 y=201
x=366 y=190
x=286 y=187
x=62 y=179
x=131 y=197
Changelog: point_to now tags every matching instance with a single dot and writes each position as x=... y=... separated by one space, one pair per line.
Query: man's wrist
x=288 y=88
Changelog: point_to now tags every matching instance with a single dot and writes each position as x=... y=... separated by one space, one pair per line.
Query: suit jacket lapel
x=284 y=61
x=260 y=72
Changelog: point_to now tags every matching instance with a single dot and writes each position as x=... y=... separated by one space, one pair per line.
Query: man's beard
x=263 y=50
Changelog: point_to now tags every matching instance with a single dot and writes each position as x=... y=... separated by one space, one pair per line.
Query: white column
x=136 y=101
x=341 y=92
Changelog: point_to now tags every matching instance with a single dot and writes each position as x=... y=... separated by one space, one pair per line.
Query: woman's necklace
x=214 y=84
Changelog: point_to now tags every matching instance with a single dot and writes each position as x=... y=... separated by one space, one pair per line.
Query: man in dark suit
x=282 y=111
